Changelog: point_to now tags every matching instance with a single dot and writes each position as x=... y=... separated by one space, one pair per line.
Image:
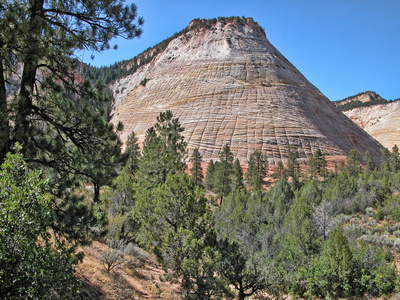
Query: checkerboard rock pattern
x=228 y=85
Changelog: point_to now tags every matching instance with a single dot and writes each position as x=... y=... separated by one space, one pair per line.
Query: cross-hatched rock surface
x=228 y=85
x=381 y=121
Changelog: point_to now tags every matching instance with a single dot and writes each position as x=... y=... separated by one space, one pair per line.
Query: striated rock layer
x=227 y=84
x=381 y=121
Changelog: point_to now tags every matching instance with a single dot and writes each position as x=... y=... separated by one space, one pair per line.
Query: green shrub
x=342 y=271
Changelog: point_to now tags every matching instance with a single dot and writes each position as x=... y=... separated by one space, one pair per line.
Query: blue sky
x=343 y=47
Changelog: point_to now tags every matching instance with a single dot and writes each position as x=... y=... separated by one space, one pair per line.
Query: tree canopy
x=59 y=118
x=33 y=262
x=49 y=107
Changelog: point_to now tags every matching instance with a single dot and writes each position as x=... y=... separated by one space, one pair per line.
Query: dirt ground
x=123 y=282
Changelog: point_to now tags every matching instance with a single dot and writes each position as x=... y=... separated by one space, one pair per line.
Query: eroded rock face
x=381 y=121
x=228 y=84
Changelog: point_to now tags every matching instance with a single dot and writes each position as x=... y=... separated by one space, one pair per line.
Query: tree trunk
x=96 y=196
x=4 y=126
x=241 y=295
x=28 y=79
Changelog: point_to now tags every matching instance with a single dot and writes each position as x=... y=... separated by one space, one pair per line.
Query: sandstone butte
x=228 y=85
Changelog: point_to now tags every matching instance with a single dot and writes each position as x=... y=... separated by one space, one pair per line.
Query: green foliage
x=55 y=114
x=119 y=200
x=353 y=163
x=299 y=225
x=223 y=171
x=238 y=270
x=257 y=169
x=237 y=176
x=385 y=159
x=246 y=239
x=279 y=170
x=58 y=116
x=369 y=162
x=199 y=266
x=390 y=207
x=340 y=191
x=342 y=271
x=176 y=224
x=280 y=198
x=394 y=163
x=332 y=273
x=132 y=150
x=293 y=166
x=209 y=181
x=196 y=171
x=33 y=263
x=317 y=164
x=177 y=203
x=164 y=151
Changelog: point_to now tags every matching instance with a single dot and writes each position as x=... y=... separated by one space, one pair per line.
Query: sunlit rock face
x=381 y=121
x=228 y=85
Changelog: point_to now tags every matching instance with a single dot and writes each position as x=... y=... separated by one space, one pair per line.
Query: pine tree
x=164 y=151
x=293 y=167
x=338 y=264
x=196 y=171
x=353 y=162
x=209 y=182
x=223 y=172
x=280 y=198
x=42 y=42
x=174 y=147
x=369 y=162
x=385 y=159
x=394 y=159
x=150 y=163
x=237 y=176
x=178 y=229
x=300 y=233
x=257 y=169
x=56 y=114
x=279 y=171
x=132 y=150
x=121 y=195
x=317 y=164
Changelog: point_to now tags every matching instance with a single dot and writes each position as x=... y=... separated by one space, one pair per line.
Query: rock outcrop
x=360 y=100
x=227 y=84
x=381 y=121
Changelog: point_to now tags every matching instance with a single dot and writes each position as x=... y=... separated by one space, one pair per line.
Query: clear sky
x=343 y=47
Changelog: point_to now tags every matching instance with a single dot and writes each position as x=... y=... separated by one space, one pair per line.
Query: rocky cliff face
x=381 y=121
x=227 y=84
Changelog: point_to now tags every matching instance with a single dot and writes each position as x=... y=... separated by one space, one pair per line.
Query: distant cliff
x=360 y=100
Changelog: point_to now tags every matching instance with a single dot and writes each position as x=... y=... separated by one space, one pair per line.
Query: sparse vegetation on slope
x=354 y=102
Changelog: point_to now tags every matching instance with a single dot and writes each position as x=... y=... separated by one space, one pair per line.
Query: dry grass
x=125 y=282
